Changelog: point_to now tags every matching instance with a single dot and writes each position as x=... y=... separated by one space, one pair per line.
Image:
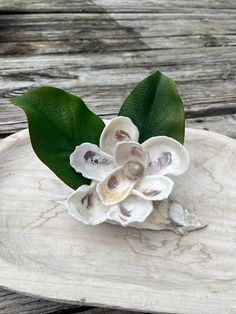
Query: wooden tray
x=45 y=253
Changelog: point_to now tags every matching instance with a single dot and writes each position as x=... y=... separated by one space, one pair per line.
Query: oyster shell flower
x=127 y=177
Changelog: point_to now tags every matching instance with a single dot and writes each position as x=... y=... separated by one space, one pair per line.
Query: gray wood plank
x=73 y=33
x=103 y=80
x=66 y=26
x=224 y=124
x=83 y=44
x=115 y=6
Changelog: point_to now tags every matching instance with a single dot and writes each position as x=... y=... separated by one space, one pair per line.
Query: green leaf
x=58 y=122
x=155 y=107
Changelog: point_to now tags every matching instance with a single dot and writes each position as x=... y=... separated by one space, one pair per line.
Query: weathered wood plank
x=84 y=45
x=201 y=59
x=115 y=6
x=103 y=80
x=19 y=6
x=55 y=26
x=13 y=119
x=72 y=33
x=224 y=124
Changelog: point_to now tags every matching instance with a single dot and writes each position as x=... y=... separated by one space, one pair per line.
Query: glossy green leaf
x=58 y=122
x=155 y=107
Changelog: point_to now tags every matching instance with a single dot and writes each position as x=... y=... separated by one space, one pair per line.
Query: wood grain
x=117 y=6
x=103 y=81
x=100 y=50
x=46 y=252
x=71 y=33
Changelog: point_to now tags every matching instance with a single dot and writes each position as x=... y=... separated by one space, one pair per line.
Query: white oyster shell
x=85 y=206
x=131 y=209
x=115 y=187
x=167 y=156
x=130 y=151
x=117 y=130
x=153 y=187
x=91 y=161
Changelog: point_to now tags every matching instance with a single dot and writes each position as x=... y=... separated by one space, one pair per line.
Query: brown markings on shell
x=151 y=192
x=89 y=199
x=124 y=211
x=136 y=151
x=133 y=170
x=112 y=182
x=95 y=158
x=121 y=135
x=89 y=155
x=164 y=161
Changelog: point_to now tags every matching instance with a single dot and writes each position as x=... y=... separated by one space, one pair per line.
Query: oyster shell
x=131 y=209
x=167 y=156
x=153 y=187
x=118 y=129
x=85 y=206
x=91 y=161
x=115 y=187
x=130 y=151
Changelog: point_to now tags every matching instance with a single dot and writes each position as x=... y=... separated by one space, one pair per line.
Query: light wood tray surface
x=44 y=252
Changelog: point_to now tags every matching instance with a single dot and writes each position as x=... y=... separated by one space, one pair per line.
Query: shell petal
x=85 y=206
x=115 y=188
x=91 y=161
x=155 y=188
x=167 y=156
x=118 y=129
x=129 y=151
x=132 y=209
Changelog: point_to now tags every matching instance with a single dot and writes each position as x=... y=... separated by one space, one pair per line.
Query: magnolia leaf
x=58 y=122
x=155 y=107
